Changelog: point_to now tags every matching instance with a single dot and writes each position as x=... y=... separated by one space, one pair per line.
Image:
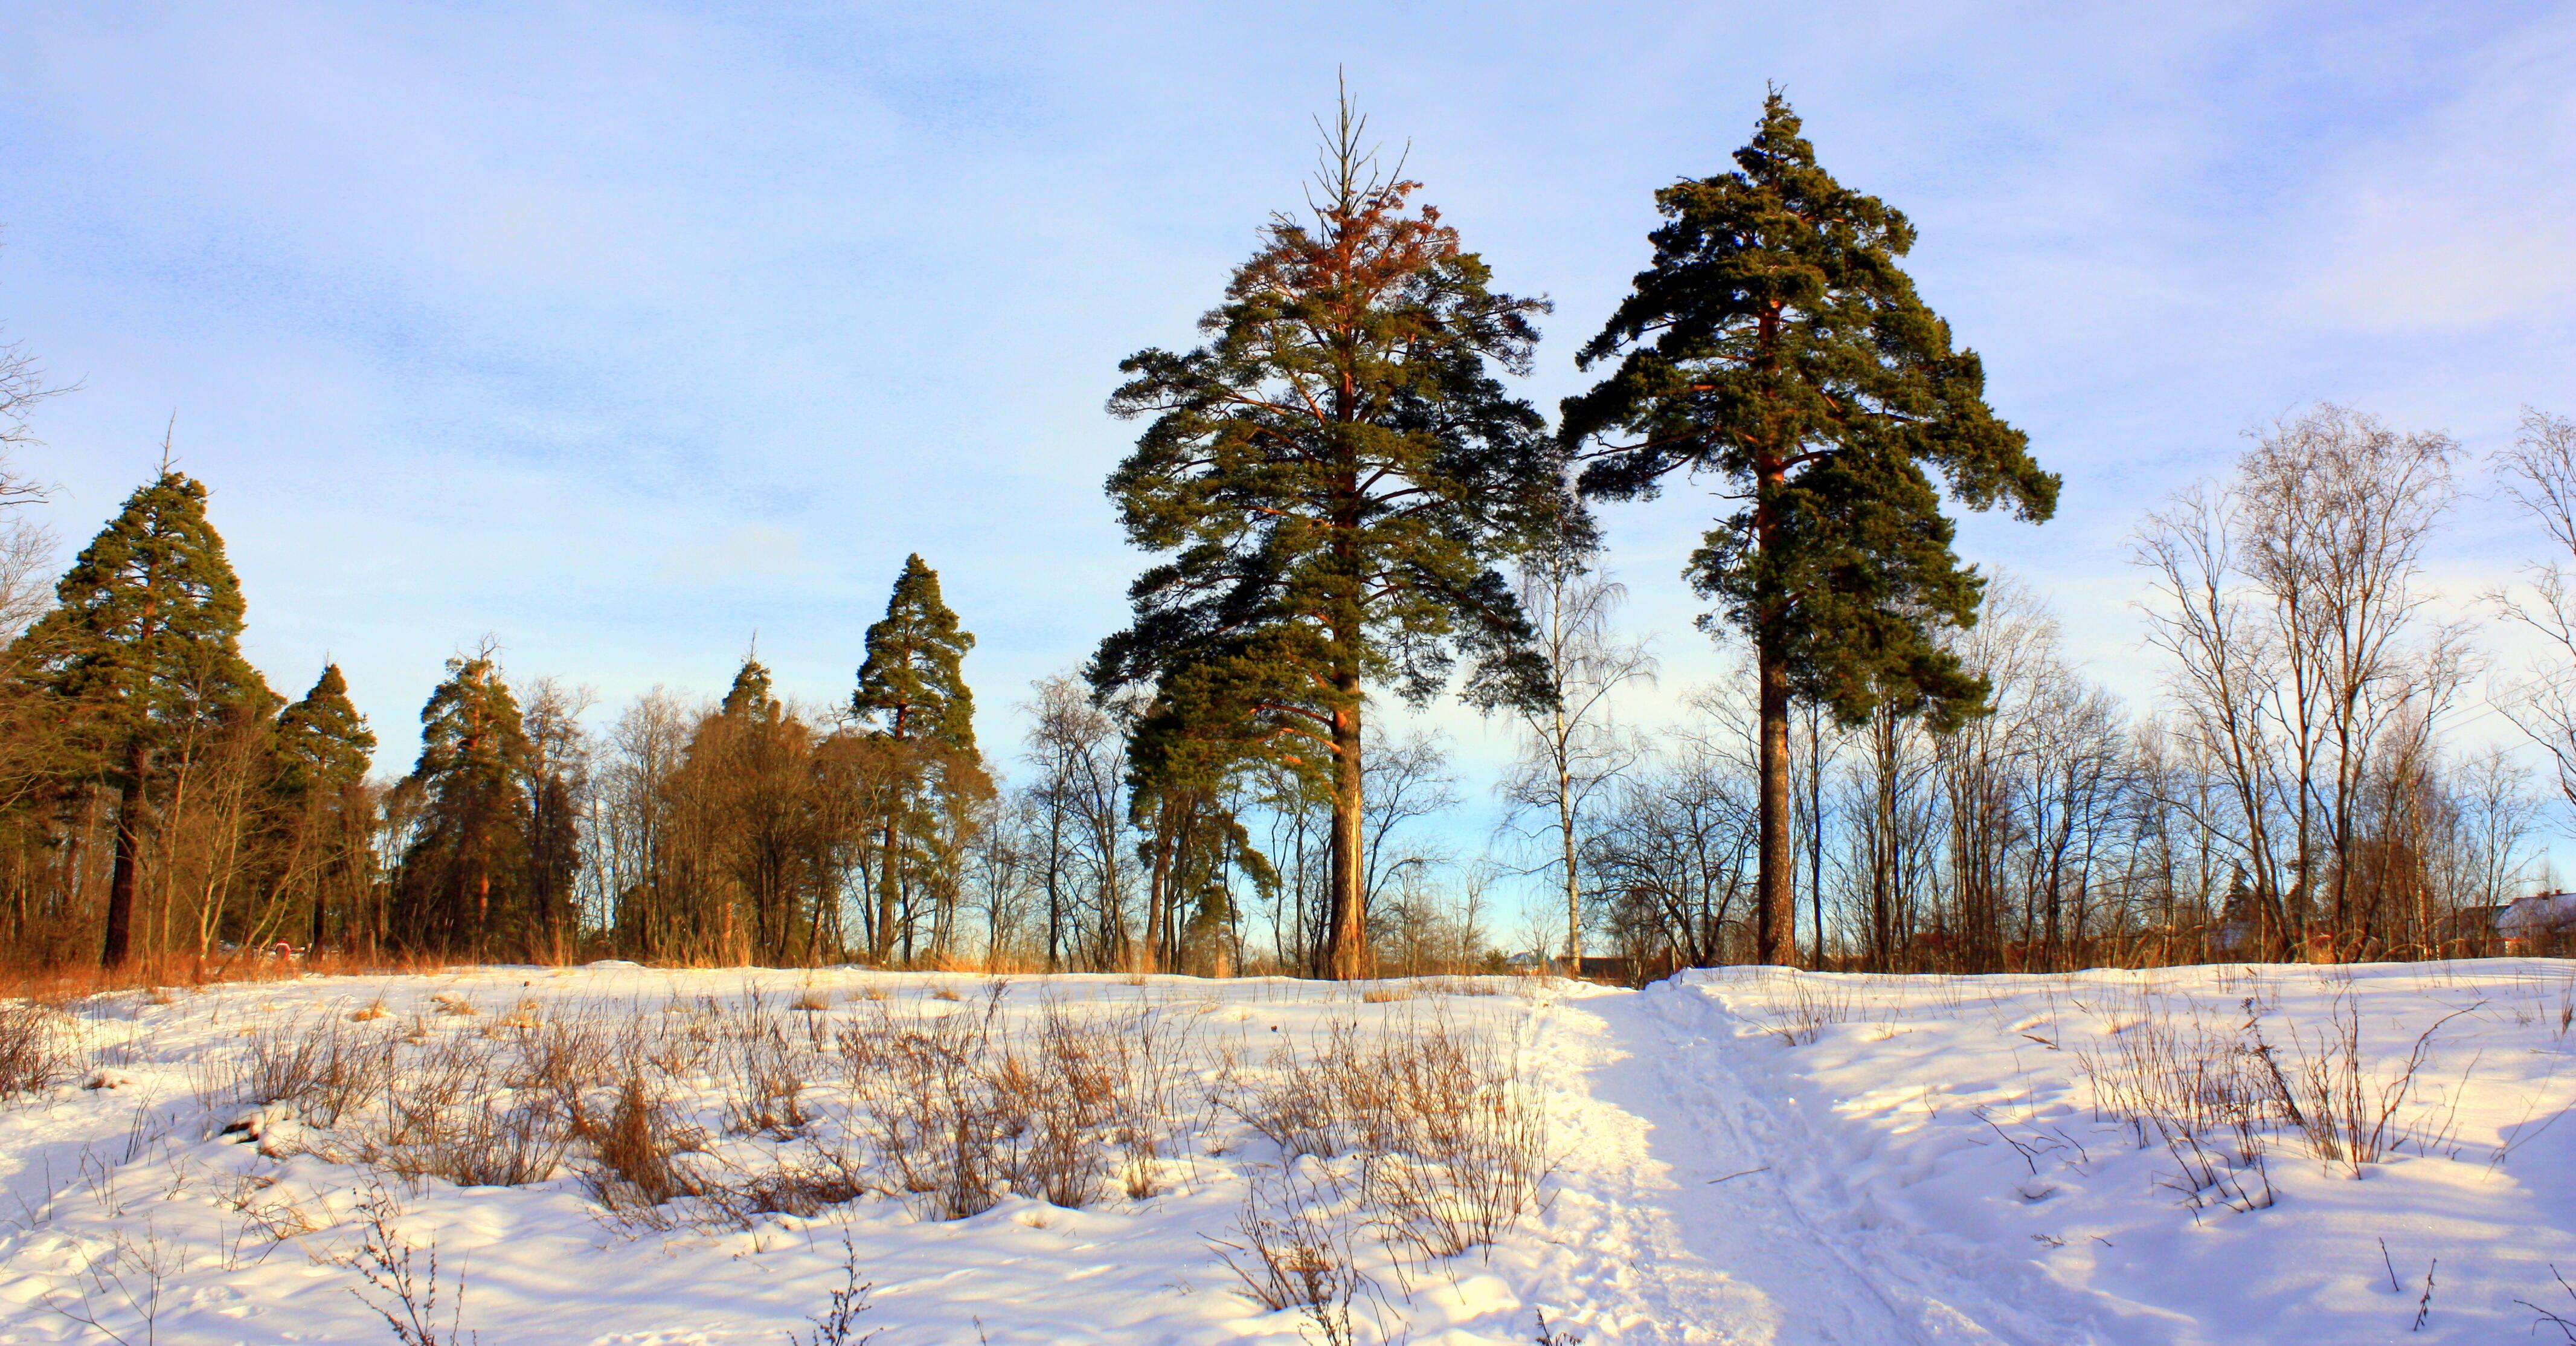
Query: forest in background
x=1345 y=503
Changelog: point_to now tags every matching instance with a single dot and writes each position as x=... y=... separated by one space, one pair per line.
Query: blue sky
x=622 y=332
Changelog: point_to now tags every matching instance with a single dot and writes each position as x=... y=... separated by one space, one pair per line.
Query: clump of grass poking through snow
x=838 y=1323
x=1293 y=1248
x=1803 y=1007
x=32 y=1053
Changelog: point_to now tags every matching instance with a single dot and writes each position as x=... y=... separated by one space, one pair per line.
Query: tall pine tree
x=144 y=649
x=1337 y=475
x=1775 y=343
x=465 y=869
x=321 y=751
x=912 y=689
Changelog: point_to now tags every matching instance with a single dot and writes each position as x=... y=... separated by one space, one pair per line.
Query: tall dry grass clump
x=1294 y=1248
x=2345 y=1105
x=2217 y=1092
x=2191 y=1086
x=33 y=1053
x=959 y=1111
x=1804 y=1007
x=1451 y=1140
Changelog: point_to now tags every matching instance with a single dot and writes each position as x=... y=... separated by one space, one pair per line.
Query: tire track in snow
x=1699 y=1206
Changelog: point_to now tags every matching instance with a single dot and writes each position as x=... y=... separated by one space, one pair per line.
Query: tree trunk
x=119 y=949
x=1157 y=893
x=1775 y=902
x=1816 y=825
x=1054 y=882
x=884 y=949
x=1347 y=958
x=1565 y=831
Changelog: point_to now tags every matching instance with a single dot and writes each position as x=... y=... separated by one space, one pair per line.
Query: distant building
x=2538 y=916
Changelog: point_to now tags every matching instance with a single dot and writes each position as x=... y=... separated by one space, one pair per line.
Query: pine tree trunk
x=1157 y=895
x=119 y=949
x=885 y=897
x=1775 y=897
x=1775 y=904
x=1347 y=960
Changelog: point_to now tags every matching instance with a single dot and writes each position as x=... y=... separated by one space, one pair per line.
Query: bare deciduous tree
x=1570 y=751
x=2539 y=474
x=1080 y=753
x=2291 y=605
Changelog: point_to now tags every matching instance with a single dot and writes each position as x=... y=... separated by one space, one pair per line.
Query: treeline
x=163 y=801
x=1343 y=501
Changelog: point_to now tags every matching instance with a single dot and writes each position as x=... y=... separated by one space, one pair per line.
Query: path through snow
x=1702 y=1204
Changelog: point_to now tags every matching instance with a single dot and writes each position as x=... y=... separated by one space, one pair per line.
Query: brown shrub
x=32 y=1051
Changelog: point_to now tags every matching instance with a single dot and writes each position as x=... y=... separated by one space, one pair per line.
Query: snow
x=1739 y=1156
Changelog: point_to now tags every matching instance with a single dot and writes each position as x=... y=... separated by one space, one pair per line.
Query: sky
x=627 y=335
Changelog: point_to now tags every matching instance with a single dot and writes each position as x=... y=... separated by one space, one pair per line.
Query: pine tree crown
x=913 y=680
x=750 y=694
x=471 y=727
x=323 y=743
x=1775 y=342
x=146 y=634
x=1335 y=475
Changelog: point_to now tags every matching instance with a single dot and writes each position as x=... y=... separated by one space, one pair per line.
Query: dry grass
x=717 y=1112
x=2168 y=1072
x=635 y=1148
x=958 y=1111
x=2345 y=1105
x=33 y=1053
x=768 y=1071
x=2217 y=1092
x=2181 y=1081
x=1804 y=1006
x=1452 y=1142
x=1469 y=1149
x=1294 y=1248
x=160 y=974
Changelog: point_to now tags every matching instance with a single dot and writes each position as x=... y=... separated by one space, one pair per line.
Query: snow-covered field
x=1735 y=1156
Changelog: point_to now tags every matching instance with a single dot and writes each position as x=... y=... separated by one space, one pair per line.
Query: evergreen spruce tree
x=912 y=689
x=750 y=699
x=1775 y=343
x=464 y=870
x=323 y=743
x=1336 y=475
x=554 y=865
x=144 y=647
x=322 y=749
